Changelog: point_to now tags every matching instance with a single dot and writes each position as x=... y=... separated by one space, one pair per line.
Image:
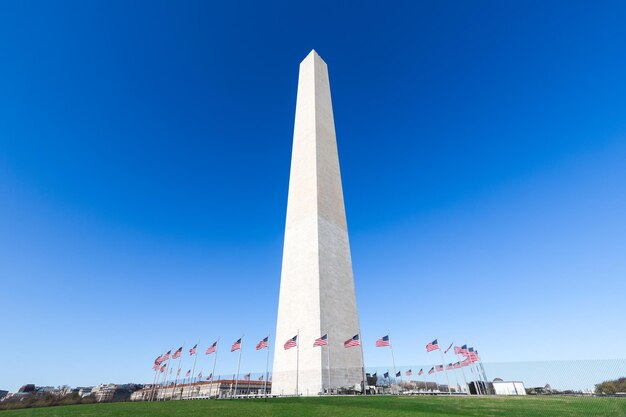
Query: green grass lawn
x=348 y=407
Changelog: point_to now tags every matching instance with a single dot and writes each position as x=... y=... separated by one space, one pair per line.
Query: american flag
x=408 y=373
x=456 y=365
x=449 y=366
x=200 y=376
x=457 y=350
x=158 y=360
x=163 y=368
x=353 y=341
x=432 y=346
x=212 y=348
x=177 y=353
x=322 y=341
x=210 y=377
x=463 y=350
x=432 y=370
x=193 y=350
x=383 y=341
x=261 y=378
x=166 y=357
x=439 y=368
x=386 y=374
x=446 y=351
x=421 y=372
x=188 y=374
x=262 y=344
x=472 y=357
x=155 y=367
x=398 y=374
x=236 y=345
x=293 y=342
x=466 y=362
x=246 y=377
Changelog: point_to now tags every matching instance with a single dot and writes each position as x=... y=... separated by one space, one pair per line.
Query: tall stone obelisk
x=317 y=294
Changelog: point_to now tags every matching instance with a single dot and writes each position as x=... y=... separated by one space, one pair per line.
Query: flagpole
x=156 y=382
x=154 y=396
x=169 y=362
x=444 y=367
x=462 y=371
x=217 y=346
x=484 y=386
x=267 y=364
x=193 y=369
x=180 y=359
x=480 y=362
x=365 y=385
x=483 y=369
x=297 y=360
x=476 y=385
x=479 y=379
x=393 y=360
x=328 y=360
x=238 y=364
x=456 y=376
x=156 y=372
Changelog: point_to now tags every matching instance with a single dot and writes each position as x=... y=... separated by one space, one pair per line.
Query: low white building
x=501 y=387
x=223 y=388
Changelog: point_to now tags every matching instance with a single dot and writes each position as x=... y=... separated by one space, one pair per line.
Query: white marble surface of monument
x=317 y=294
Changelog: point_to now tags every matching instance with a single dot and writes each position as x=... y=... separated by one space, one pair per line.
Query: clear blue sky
x=144 y=164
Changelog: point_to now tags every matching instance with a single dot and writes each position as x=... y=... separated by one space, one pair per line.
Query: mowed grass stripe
x=348 y=407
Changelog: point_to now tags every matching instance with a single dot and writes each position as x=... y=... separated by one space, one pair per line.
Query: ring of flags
x=470 y=355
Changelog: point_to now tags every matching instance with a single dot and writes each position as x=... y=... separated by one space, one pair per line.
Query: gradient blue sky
x=144 y=164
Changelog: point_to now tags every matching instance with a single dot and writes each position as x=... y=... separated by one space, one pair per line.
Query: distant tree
x=611 y=387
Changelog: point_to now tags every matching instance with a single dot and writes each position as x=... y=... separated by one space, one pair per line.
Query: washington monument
x=317 y=294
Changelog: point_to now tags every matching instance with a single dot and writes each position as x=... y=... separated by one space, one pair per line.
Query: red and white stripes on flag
x=212 y=348
x=421 y=371
x=246 y=377
x=408 y=373
x=457 y=350
x=236 y=345
x=322 y=341
x=193 y=350
x=432 y=370
x=291 y=343
x=178 y=352
x=383 y=341
x=352 y=342
x=262 y=344
x=434 y=345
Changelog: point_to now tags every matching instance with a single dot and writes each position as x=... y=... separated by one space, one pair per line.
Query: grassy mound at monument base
x=529 y=406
